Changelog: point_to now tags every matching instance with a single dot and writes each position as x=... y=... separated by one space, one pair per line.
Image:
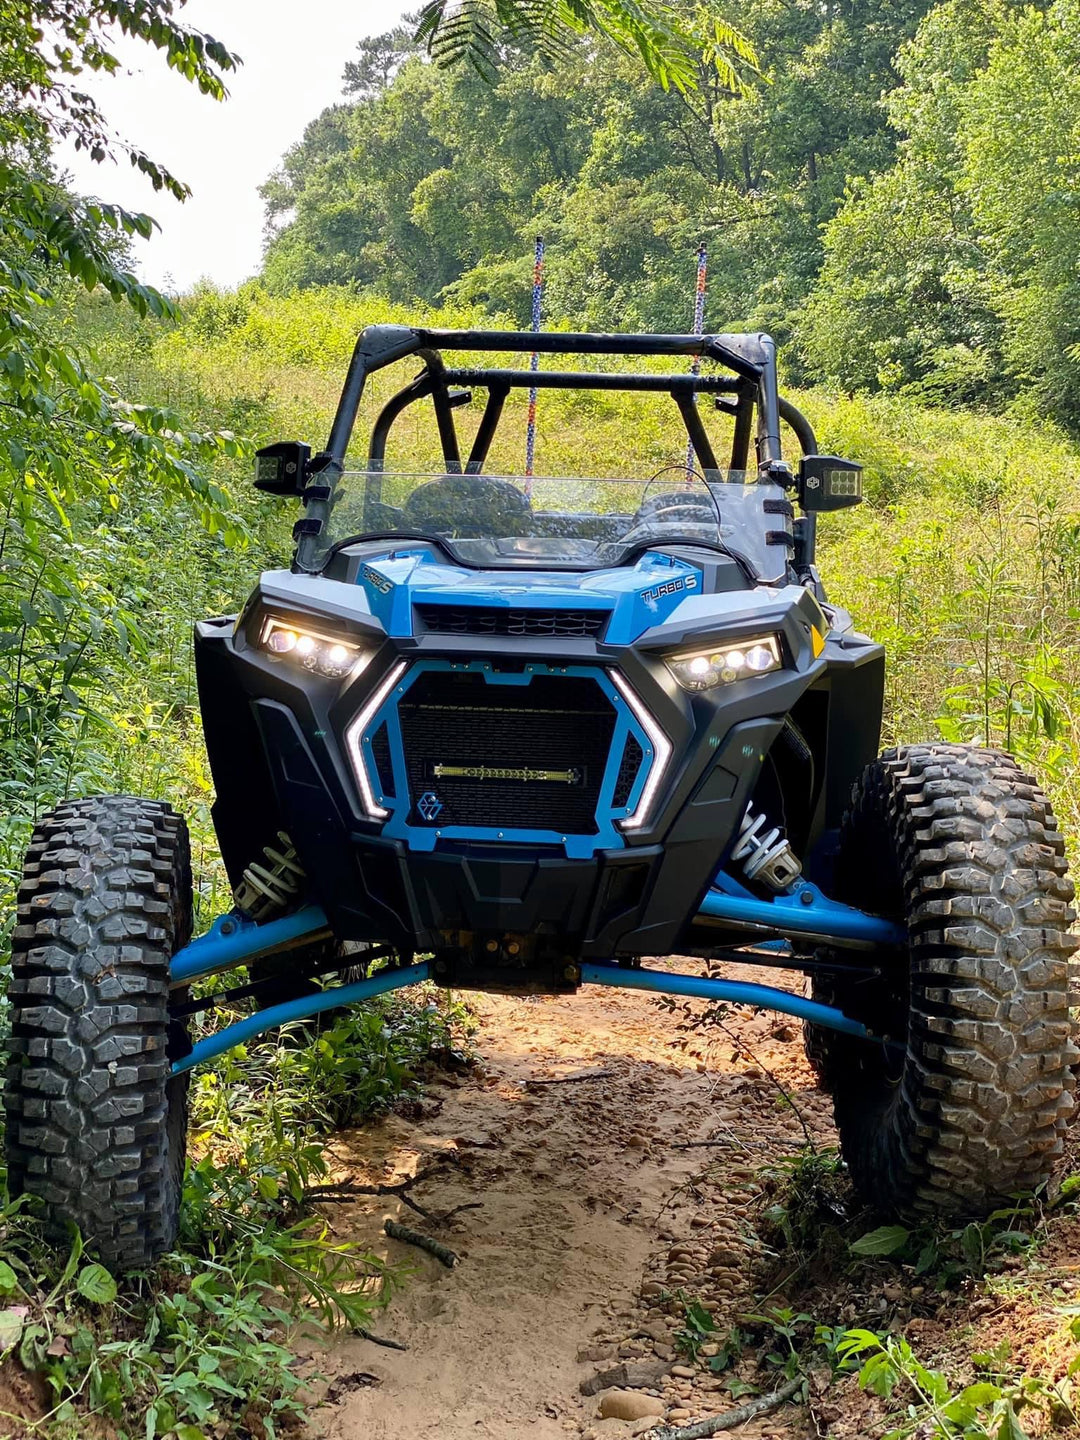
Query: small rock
x=637 y=1375
x=682 y=1372
x=893 y=1293
x=589 y=1354
x=643 y=1426
x=638 y=1142
x=678 y=1414
x=699 y=1221
x=663 y=1352
x=629 y=1405
x=651 y=1288
x=654 y=1330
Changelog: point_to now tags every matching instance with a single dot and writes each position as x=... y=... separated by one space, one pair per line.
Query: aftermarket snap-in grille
x=481 y=620
x=501 y=756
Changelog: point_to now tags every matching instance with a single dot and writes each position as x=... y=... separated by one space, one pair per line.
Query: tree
x=670 y=40
x=73 y=449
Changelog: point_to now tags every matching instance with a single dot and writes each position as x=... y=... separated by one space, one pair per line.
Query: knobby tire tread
x=962 y=844
x=96 y=1126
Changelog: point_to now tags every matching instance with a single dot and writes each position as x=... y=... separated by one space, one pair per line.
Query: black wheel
x=96 y=1126
x=966 y=1101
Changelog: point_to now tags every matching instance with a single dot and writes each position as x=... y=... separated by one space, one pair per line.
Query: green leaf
x=886 y=1240
x=927 y=1258
x=96 y=1284
x=971 y=1243
x=9 y=1281
x=12 y=1321
x=1010 y=1428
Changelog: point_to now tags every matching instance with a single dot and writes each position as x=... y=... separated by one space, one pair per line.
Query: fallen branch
x=713 y=1424
x=448 y=1215
x=571 y=1079
x=337 y=1192
x=423 y=1242
x=379 y=1339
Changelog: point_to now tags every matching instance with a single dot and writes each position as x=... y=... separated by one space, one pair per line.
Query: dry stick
x=379 y=1339
x=571 y=1079
x=741 y=1043
x=423 y=1242
x=337 y=1191
x=730 y=1418
x=448 y=1215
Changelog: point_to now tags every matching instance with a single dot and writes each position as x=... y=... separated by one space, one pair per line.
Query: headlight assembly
x=722 y=664
x=327 y=655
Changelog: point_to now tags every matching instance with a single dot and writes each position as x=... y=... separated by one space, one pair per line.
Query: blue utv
x=519 y=735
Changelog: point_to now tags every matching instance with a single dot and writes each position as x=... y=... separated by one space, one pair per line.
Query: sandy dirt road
x=586 y=1210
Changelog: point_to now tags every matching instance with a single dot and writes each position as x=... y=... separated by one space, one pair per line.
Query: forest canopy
x=896 y=195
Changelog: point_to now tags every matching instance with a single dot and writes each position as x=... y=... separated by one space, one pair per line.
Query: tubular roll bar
x=752 y=358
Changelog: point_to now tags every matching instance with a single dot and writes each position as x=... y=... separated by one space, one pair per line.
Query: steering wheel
x=473 y=506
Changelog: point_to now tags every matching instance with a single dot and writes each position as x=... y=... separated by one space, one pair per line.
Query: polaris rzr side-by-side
x=521 y=734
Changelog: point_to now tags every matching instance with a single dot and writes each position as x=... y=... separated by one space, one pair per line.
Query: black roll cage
x=752 y=386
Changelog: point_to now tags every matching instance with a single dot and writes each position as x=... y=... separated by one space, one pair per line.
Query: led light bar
x=661 y=747
x=354 y=740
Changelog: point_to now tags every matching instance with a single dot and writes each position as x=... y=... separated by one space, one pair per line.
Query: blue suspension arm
x=703 y=987
x=233 y=939
x=300 y=1009
x=804 y=910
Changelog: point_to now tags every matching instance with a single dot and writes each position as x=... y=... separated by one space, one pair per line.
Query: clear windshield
x=509 y=521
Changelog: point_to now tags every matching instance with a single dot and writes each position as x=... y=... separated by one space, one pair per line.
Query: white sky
x=294 y=52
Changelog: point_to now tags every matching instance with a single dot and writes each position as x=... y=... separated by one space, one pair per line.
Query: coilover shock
x=264 y=889
x=765 y=855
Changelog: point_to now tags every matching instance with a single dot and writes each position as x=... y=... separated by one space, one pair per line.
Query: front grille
x=477 y=620
x=527 y=756
x=380 y=754
x=632 y=757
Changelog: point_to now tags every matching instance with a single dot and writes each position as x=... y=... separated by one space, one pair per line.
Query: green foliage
x=431 y=182
x=207 y=1343
x=950 y=1254
x=989 y=1409
x=953 y=273
x=670 y=44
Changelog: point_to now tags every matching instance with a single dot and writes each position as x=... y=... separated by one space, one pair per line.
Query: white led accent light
x=354 y=740
x=661 y=748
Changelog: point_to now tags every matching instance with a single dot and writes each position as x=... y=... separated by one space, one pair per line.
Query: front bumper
x=502 y=899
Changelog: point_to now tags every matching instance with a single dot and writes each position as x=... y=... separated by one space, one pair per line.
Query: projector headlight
x=739 y=660
x=321 y=654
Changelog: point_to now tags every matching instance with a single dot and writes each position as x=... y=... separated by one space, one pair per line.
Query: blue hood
x=637 y=597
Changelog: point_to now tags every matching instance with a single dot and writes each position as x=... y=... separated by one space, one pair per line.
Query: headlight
x=705 y=669
x=321 y=654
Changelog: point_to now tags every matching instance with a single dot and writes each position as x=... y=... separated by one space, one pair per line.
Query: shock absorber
x=266 y=888
x=765 y=855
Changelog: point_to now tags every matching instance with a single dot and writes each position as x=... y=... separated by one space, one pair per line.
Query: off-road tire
x=970 y=1107
x=96 y=1125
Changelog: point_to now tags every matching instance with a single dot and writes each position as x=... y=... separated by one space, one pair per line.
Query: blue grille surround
x=392 y=792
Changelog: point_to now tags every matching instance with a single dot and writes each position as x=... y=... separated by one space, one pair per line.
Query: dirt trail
x=583 y=1216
